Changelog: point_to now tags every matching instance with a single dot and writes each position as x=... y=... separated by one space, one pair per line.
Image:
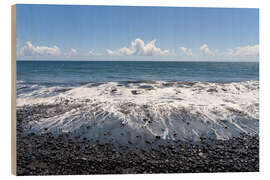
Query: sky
x=57 y=32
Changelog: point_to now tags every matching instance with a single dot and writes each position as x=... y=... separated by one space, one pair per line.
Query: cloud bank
x=92 y=53
x=244 y=51
x=30 y=50
x=206 y=51
x=185 y=51
x=139 y=48
x=74 y=51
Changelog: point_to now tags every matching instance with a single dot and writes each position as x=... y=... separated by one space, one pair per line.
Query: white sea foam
x=143 y=111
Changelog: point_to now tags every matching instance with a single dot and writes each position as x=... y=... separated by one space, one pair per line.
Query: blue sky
x=137 y=33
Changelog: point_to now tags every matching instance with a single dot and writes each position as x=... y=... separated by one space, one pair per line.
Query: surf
x=158 y=111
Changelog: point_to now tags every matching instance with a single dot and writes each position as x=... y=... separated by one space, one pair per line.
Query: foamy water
x=139 y=112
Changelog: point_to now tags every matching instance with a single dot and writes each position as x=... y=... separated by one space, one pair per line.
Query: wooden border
x=13 y=90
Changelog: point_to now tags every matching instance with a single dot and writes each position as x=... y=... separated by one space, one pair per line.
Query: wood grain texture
x=13 y=89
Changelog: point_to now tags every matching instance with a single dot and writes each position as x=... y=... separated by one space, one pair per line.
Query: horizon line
x=80 y=60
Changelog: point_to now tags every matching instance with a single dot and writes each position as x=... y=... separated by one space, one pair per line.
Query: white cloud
x=246 y=51
x=242 y=51
x=205 y=50
x=73 y=51
x=91 y=52
x=139 y=48
x=30 y=50
x=94 y=53
x=187 y=52
x=249 y=51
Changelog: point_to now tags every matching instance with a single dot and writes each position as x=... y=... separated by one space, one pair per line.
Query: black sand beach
x=135 y=90
x=47 y=154
x=42 y=151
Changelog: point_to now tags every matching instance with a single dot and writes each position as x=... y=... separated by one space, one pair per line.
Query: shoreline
x=46 y=154
x=139 y=128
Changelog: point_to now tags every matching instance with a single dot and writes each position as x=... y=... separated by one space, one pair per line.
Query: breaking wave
x=143 y=111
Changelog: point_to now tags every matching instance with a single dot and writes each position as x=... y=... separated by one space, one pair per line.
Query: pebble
x=47 y=154
x=60 y=155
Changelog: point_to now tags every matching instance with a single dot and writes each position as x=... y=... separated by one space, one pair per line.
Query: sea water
x=119 y=101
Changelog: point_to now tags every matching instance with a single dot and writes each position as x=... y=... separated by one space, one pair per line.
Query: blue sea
x=80 y=72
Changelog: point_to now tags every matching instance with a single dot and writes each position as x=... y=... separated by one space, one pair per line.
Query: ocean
x=82 y=72
x=116 y=101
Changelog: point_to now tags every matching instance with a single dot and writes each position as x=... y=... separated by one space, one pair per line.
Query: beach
x=49 y=155
x=138 y=126
x=134 y=90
